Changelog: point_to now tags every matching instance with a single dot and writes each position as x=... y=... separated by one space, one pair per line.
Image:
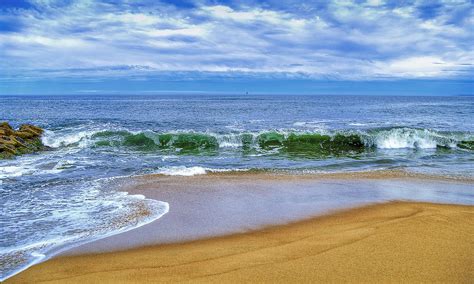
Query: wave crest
x=324 y=143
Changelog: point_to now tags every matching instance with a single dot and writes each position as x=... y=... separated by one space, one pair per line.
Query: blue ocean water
x=60 y=197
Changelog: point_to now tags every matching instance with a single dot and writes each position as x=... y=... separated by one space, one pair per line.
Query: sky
x=274 y=46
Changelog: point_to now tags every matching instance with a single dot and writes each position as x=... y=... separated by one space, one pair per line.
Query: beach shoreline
x=389 y=242
x=222 y=165
x=219 y=205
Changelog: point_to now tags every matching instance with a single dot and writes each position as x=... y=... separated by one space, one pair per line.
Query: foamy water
x=45 y=211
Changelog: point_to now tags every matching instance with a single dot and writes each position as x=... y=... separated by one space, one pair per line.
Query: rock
x=31 y=129
x=18 y=141
x=6 y=140
x=6 y=129
x=26 y=140
x=5 y=125
x=25 y=134
x=8 y=149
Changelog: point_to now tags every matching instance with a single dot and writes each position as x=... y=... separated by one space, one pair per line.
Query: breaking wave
x=285 y=141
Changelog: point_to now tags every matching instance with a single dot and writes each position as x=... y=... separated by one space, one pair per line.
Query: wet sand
x=228 y=203
x=268 y=227
x=392 y=242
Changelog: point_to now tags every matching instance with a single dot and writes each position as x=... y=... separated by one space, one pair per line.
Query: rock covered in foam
x=26 y=139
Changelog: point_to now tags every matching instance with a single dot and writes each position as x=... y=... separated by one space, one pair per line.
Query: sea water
x=62 y=197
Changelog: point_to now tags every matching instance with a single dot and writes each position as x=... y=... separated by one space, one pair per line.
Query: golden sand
x=393 y=242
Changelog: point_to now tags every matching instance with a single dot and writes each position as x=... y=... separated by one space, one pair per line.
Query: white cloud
x=423 y=66
x=344 y=40
x=191 y=31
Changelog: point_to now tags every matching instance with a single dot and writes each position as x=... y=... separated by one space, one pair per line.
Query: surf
x=286 y=141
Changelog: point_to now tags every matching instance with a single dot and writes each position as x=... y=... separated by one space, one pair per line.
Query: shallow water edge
x=215 y=204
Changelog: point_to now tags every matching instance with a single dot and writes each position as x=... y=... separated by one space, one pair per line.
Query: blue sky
x=85 y=46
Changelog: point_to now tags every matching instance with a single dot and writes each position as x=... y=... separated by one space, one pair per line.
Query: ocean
x=60 y=198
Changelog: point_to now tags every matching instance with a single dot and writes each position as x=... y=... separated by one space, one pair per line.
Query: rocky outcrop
x=26 y=139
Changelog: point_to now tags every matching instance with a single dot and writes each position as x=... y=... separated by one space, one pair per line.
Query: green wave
x=149 y=141
x=314 y=144
x=188 y=141
x=468 y=145
x=291 y=143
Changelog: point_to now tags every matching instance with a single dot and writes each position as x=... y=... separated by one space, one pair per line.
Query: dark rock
x=20 y=140
x=26 y=140
x=25 y=134
x=5 y=125
x=6 y=140
x=17 y=141
x=8 y=149
x=6 y=129
x=31 y=129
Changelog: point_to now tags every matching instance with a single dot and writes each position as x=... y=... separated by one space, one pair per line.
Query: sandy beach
x=392 y=242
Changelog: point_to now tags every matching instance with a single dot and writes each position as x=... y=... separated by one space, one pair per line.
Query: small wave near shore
x=54 y=220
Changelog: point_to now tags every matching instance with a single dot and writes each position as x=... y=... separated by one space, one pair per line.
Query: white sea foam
x=12 y=171
x=299 y=123
x=23 y=256
x=55 y=140
x=193 y=171
x=80 y=136
x=315 y=124
x=182 y=171
x=229 y=141
x=399 y=138
x=33 y=165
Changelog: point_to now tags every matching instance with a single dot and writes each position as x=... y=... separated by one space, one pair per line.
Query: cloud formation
x=340 y=39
